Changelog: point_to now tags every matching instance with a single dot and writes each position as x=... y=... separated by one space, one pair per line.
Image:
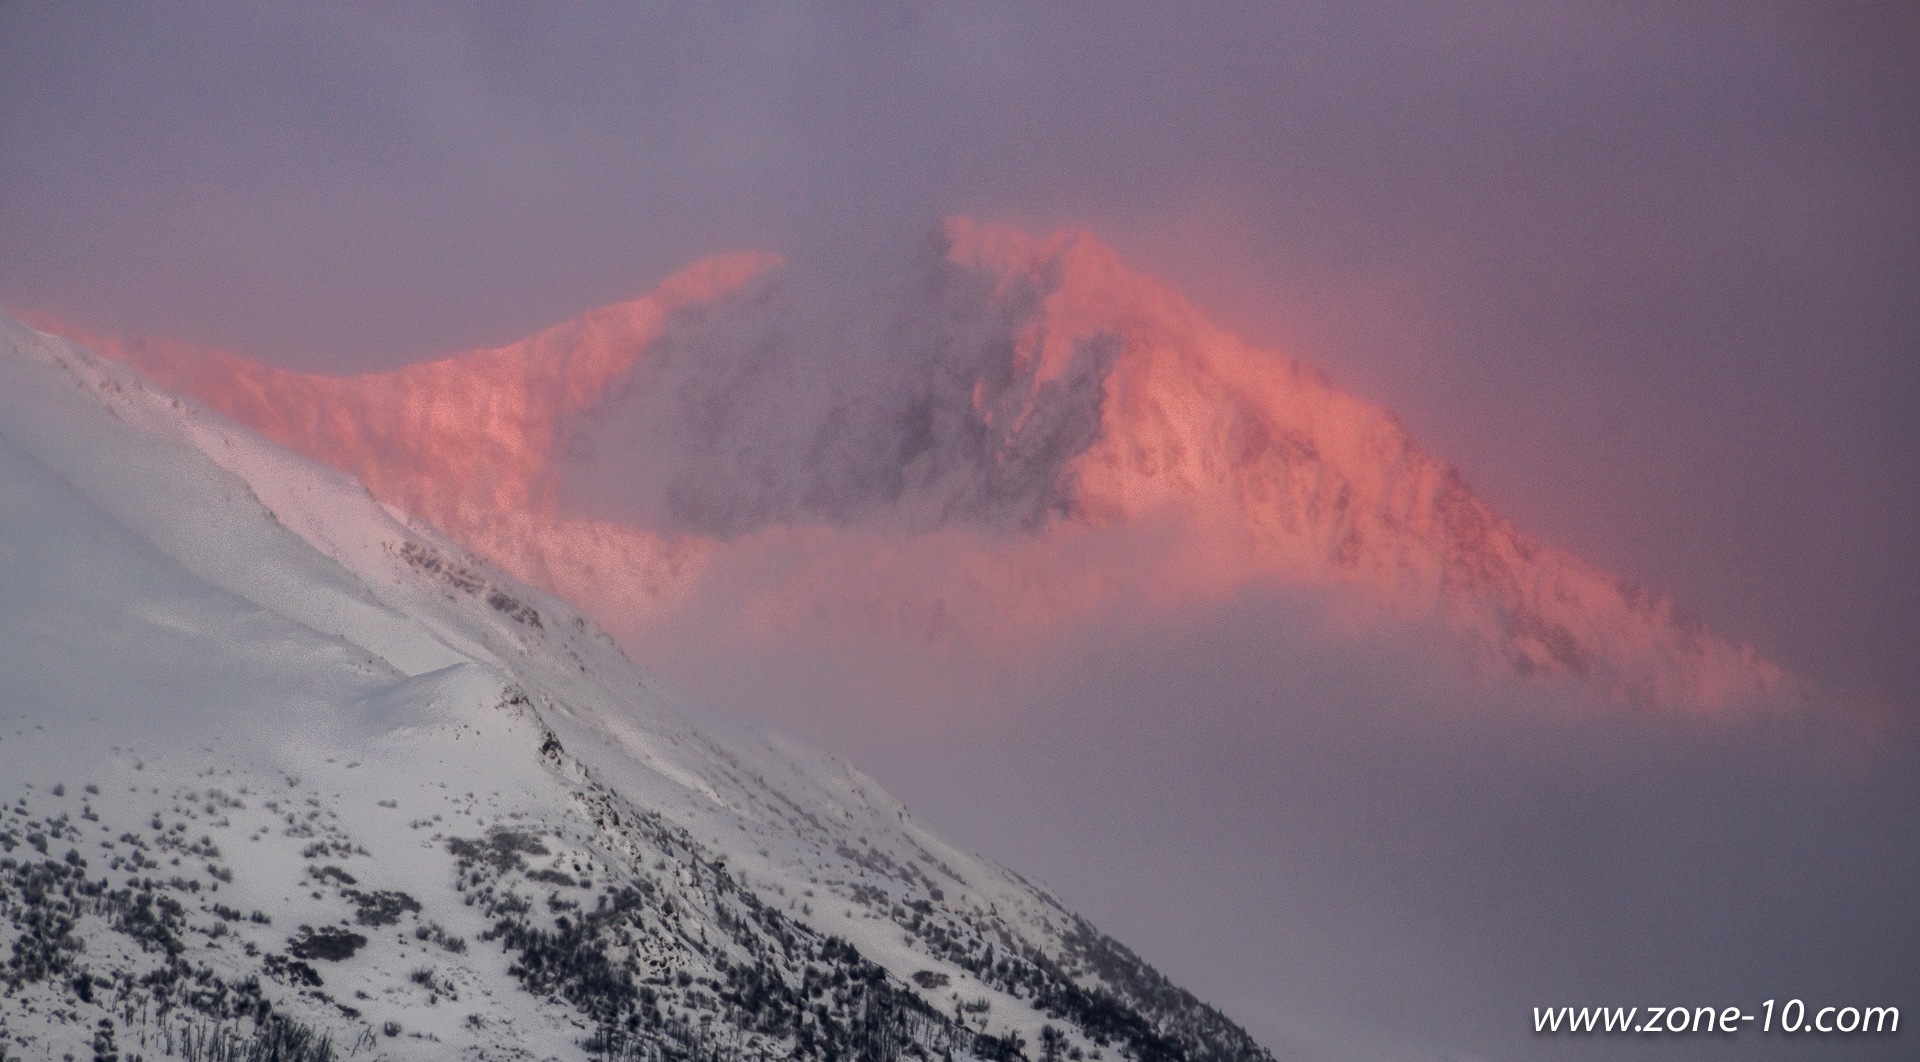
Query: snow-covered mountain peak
x=1278 y=473
x=1014 y=399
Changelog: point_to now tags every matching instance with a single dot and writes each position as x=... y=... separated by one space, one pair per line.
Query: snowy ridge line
x=293 y=772
x=1030 y=394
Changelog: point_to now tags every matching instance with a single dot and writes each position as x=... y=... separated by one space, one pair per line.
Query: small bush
x=502 y=848
x=341 y=876
x=382 y=908
x=328 y=942
x=432 y=931
x=294 y=973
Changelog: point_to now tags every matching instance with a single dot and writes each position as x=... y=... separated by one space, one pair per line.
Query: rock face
x=1015 y=392
x=287 y=773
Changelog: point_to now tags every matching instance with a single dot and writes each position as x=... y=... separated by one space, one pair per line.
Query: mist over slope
x=1324 y=835
x=288 y=774
x=1019 y=434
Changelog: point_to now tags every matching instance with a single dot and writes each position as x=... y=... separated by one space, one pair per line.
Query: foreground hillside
x=285 y=774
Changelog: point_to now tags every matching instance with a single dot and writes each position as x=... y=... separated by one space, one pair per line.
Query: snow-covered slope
x=1023 y=395
x=283 y=769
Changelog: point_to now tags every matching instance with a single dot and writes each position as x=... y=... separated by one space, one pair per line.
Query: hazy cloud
x=1658 y=259
x=1647 y=272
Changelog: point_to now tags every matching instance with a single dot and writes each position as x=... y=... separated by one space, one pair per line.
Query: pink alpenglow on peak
x=1034 y=436
x=476 y=429
x=1276 y=473
x=468 y=442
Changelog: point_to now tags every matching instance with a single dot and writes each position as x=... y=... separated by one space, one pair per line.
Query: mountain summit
x=1015 y=394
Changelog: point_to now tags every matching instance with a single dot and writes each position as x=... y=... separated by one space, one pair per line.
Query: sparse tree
x=1053 y=1043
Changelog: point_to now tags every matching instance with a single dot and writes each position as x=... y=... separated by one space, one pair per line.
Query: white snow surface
x=212 y=645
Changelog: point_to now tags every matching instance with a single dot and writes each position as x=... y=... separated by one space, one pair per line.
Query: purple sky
x=1649 y=273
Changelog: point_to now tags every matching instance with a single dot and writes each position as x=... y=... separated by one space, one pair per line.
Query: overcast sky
x=1649 y=273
